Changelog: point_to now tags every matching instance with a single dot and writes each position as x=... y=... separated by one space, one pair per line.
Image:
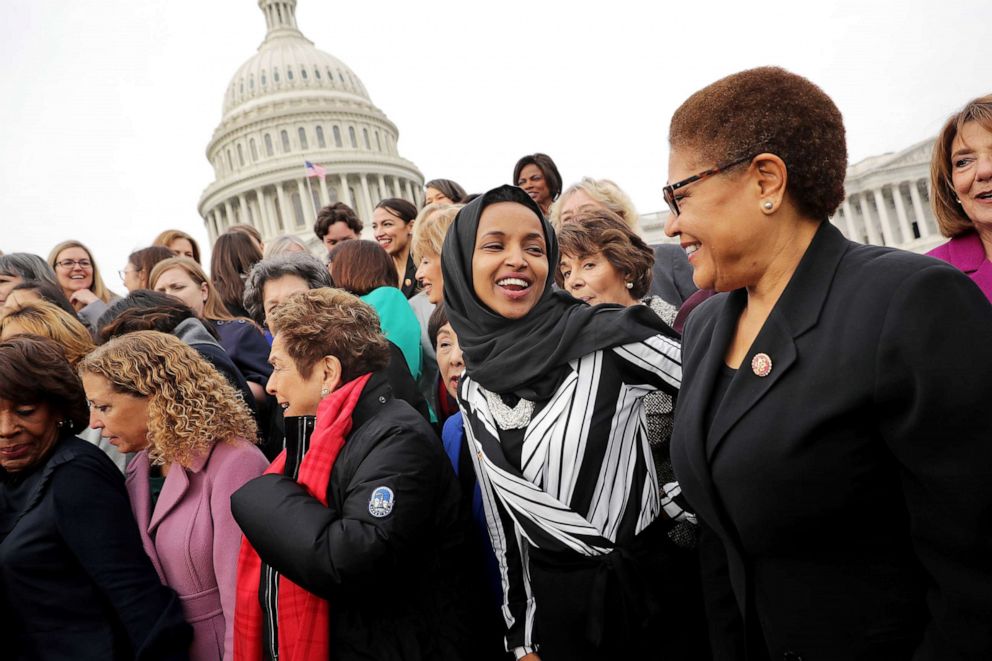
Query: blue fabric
x=399 y=323
x=453 y=439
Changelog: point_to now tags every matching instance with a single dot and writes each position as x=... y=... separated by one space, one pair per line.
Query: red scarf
x=303 y=618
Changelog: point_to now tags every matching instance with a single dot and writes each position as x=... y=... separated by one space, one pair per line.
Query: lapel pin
x=761 y=364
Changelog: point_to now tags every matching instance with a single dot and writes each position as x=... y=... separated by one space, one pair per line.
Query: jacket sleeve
x=652 y=364
x=933 y=375
x=250 y=353
x=232 y=474
x=344 y=545
x=94 y=518
x=519 y=605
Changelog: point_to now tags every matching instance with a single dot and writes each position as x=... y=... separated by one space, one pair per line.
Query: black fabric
x=525 y=356
x=75 y=583
x=402 y=383
x=851 y=487
x=410 y=286
x=391 y=581
x=672 y=274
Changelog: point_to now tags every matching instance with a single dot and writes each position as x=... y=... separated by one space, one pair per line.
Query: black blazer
x=75 y=583
x=852 y=486
x=672 y=274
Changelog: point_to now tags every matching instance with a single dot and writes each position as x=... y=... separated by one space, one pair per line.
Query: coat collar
x=176 y=484
x=966 y=252
x=376 y=394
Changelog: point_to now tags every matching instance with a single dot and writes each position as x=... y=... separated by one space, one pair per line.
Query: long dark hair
x=233 y=256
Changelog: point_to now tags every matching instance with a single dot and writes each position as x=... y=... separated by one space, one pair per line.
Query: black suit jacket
x=852 y=486
x=672 y=274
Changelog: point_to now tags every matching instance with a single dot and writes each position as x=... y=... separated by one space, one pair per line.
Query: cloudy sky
x=107 y=106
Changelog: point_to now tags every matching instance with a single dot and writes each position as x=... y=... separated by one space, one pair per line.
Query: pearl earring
x=324 y=392
x=630 y=285
x=768 y=205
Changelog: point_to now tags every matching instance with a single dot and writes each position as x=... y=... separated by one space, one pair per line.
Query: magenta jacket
x=968 y=254
x=193 y=540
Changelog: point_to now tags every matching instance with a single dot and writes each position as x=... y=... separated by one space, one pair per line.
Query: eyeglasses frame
x=668 y=192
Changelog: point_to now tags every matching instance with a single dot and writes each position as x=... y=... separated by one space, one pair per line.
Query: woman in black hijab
x=552 y=406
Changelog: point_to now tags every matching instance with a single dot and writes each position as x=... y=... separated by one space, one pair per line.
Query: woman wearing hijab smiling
x=552 y=407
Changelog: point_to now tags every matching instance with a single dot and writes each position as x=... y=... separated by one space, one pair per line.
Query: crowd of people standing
x=508 y=428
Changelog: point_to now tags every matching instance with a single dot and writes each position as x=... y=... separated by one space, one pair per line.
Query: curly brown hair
x=190 y=405
x=602 y=231
x=331 y=322
x=950 y=216
x=34 y=370
x=339 y=212
x=770 y=110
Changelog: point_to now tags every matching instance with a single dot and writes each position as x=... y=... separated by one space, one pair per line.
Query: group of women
x=802 y=473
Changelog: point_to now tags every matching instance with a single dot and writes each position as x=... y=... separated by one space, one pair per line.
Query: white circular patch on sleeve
x=381 y=502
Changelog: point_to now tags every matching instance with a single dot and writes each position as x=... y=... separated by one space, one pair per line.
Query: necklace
x=517 y=417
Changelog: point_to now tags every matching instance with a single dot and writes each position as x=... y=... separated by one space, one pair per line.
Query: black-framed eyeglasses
x=669 y=190
x=72 y=263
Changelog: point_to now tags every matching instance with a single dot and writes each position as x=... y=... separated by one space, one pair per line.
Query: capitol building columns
x=291 y=103
x=887 y=201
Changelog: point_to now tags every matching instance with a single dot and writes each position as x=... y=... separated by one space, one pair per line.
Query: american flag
x=314 y=170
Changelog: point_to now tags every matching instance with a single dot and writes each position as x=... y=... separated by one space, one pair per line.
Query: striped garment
x=580 y=475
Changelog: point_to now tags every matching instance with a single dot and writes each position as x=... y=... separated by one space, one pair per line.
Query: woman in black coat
x=75 y=582
x=353 y=533
x=831 y=428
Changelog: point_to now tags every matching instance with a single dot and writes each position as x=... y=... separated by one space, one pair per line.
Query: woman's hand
x=530 y=657
x=81 y=298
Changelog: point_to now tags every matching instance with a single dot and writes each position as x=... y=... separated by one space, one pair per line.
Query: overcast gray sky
x=107 y=106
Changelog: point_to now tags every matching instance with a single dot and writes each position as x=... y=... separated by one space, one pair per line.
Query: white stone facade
x=288 y=104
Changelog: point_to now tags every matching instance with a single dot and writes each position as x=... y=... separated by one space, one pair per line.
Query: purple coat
x=192 y=539
x=968 y=254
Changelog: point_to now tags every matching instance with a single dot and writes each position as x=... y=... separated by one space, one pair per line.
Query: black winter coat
x=389 y=579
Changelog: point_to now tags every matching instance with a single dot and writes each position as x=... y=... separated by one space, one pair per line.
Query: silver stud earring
x=324 y=392
x=768 y=205
x=630 y=285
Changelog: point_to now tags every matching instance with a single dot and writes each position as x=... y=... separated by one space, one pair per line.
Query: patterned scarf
x=302 y=616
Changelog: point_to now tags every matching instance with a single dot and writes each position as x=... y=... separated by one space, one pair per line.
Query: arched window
x=303 y=137
x=251 y=81
x=351 y=135
x=316 y=73
x=365 y=135
x=230 y=166
x=275 y=74
x=241 y=156
x=263 y=78
x=303 y=73
x=289 y=74
x=285 y=141
x=268 y=145
x=378 y=142
x=337 y=136
x=242 y=86
x=253 y=149
x=320 y=137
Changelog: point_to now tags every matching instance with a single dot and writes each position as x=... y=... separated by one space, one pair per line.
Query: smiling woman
x=66 y=528
x=572 y=500
x=80 y=279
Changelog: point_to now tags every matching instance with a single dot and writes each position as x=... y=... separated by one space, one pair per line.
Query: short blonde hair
x=190 y=405
x=213 y=308
x=331 y=322
x=432 y=225
x=99 y=289
x=47 y=320
x=950 y=216
x=168 y=236
x=603 y=191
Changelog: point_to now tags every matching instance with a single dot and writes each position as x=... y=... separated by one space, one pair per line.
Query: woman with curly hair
x=149 y=393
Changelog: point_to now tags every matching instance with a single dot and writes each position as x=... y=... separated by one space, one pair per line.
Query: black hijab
x=526 y=357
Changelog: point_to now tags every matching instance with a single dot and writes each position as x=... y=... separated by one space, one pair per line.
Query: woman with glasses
x=827 y=430
x=552 y=401
x=80 y=280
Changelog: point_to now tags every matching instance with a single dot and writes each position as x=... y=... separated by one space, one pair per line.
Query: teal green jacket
x=399 y=324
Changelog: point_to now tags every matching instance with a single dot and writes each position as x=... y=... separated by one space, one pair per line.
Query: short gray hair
x=28 y=266
x=302 y=265
x=281 y=245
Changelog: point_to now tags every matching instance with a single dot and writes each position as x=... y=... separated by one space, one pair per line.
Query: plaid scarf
x=303 y=617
